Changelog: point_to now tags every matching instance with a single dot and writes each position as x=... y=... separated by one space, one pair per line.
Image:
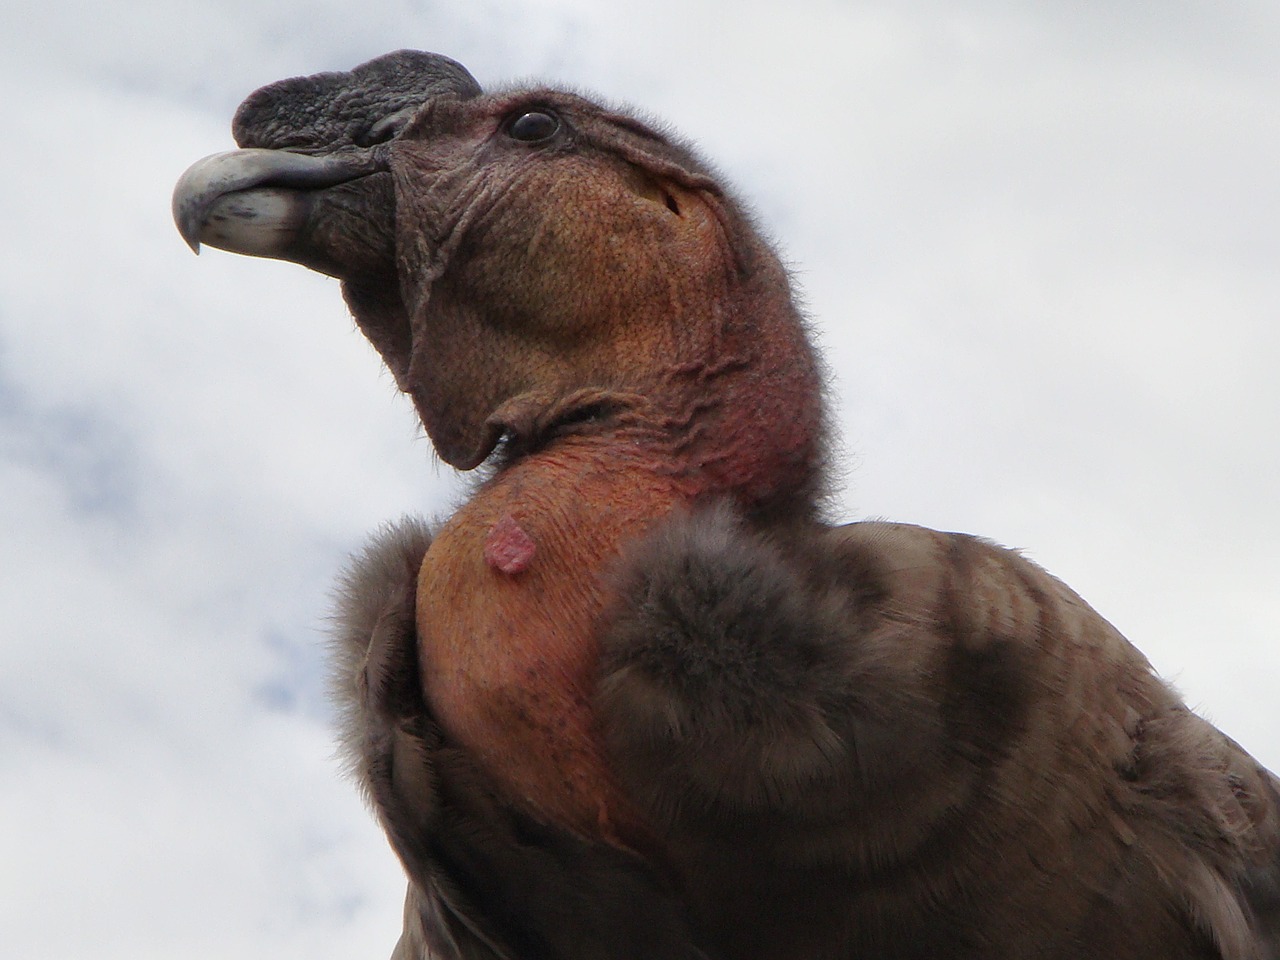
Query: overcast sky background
x=1040 y=244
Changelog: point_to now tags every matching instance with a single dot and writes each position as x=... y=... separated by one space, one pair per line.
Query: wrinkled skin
x=634 y=699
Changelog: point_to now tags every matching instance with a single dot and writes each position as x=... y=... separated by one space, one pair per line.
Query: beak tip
x=187 y=219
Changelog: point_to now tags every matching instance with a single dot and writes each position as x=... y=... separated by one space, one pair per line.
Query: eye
x=533 y=127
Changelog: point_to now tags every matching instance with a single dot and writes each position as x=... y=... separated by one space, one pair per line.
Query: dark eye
x=533 y=127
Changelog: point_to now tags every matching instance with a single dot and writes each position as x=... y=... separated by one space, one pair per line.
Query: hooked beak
x=257 y=201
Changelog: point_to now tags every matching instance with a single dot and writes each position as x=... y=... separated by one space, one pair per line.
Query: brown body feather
x=634 y=700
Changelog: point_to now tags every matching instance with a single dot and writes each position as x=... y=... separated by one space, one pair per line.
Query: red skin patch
x=507 y=640
x=508 y=548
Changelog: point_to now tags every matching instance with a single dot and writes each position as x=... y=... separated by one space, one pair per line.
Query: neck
x=748 y=423
x=743 y=420
x=515 y=585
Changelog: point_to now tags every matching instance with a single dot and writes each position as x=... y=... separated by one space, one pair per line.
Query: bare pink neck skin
x=744 y=420
x=755 y=435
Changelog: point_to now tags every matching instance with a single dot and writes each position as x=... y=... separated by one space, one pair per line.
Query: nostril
x=388 y=128
x=671 y=204
x=380 y=132
x=366 y=138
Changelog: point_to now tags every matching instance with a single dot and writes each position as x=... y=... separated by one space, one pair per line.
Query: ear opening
x=651 y=188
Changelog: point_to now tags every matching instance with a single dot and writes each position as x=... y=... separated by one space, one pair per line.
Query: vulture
x=636 y=698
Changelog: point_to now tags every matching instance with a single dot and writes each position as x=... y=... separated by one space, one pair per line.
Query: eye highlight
x=534 y=126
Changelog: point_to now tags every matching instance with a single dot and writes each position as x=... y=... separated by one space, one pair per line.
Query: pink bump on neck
x=508 y=548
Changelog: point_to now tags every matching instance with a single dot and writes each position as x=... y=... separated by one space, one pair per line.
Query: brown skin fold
x=634 y=699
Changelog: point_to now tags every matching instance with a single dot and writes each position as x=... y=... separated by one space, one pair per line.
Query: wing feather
x=907 y=743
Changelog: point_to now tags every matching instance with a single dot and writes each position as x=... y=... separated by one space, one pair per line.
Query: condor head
x=525 y=261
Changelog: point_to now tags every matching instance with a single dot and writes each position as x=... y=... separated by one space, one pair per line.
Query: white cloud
x=1039 y=245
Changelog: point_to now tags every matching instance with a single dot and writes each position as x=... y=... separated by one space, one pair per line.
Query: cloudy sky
x=1039 y=243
